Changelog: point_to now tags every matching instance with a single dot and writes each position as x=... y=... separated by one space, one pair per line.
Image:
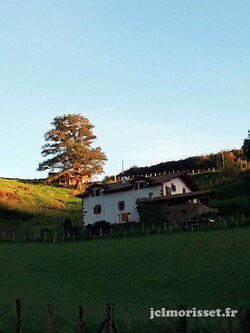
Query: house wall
x=171 y=215
x=109 y=203
x=179 y=213
x=179 y=184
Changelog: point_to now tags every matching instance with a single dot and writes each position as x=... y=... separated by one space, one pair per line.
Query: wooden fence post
x=110 y=317
x=247 y=319
x=219 y=326
x=51 y=319
x=149 y=326
x=208 y=325
x=108 y=324
x=244 y=318
x=229 y=320
x=129 y=320
x=169 y=323
x=18 y=316
x=197 y=325
x=182 y=321
x=83 y=327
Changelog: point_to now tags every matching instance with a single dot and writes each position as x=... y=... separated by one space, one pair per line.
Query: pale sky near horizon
x=160 y=80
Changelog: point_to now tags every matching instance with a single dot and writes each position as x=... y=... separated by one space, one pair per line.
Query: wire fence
x=123 y=230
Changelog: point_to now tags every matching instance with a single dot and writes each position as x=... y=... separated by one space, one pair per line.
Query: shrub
x=55 y=205
x=99 y=225
x=68 y=227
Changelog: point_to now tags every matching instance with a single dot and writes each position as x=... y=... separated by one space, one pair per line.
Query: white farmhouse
x=117 y=202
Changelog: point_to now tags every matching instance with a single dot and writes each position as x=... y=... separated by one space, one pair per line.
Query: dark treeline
x=191 y=163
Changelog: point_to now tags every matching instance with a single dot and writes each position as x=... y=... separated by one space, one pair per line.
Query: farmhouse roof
x=183 y=175
x=188 y=195
x=151 y=181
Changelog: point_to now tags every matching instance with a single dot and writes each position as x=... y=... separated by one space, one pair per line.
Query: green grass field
x=201 y=269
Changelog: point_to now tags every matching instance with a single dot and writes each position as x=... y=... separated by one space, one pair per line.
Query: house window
x=190 y=202
x=173 y=187
x=140 y=185
x=121 y=205
x=95 y=192
x=150 y=195
x=97 y=209
x=183 y=190
x=167 y=190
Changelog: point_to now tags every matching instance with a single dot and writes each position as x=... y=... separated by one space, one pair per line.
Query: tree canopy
x=246 y=147
x=69 y=148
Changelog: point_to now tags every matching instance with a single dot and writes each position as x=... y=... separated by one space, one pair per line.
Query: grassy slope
x=48 y=205
x=23 y=200
x=232 y=196
x=200 y=269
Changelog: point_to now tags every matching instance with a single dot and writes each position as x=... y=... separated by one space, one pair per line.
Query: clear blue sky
x=160 y=80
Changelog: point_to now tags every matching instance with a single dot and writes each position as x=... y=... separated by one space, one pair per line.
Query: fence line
x=127 y=230
x=181 y=324
x=242 y=166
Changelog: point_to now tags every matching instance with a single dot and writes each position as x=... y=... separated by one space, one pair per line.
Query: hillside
x=30 y=201
x=22 y=200
x=231 y=193
x=228 y=159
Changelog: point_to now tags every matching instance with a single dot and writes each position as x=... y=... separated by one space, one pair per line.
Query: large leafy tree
x=69 y=149
x=246 y=147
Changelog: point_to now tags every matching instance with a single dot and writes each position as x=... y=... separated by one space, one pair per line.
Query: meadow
x=206 y=270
